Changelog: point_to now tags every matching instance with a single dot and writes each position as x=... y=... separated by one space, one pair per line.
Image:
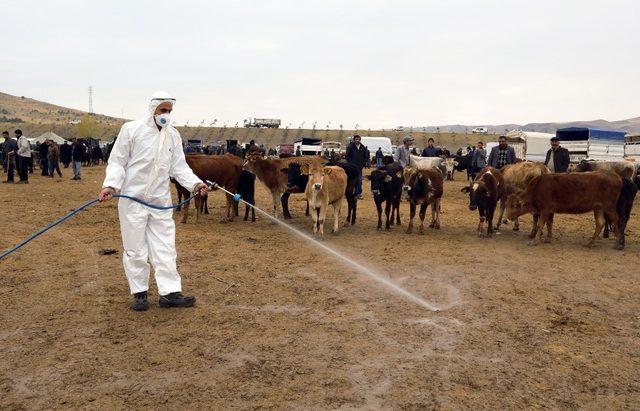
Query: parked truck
x=262 y=122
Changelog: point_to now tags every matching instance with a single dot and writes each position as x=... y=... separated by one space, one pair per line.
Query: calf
x=573 y=193
x=464 y=164
x=484 y=193
x=424 y=187
x=269 y=172
x=223 y=170
x=326 y=186
x=296 y=183
x=450 y=167
x=247 y=191
x=516 y=178
x=386 y=187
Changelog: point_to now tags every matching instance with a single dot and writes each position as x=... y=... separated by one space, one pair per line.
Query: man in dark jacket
x=502 y=155
x=358 y=155
x=43 y=150
x=78 y=149
x=9 y=150
x=430 y=150
x=557 y=160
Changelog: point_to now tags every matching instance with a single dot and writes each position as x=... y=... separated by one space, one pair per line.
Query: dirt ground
x=553 y=326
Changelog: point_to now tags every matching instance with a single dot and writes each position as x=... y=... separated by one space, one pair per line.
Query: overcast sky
x=375 y=63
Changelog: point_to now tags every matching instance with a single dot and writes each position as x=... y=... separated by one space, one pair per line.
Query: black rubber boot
x=140 y=302
x=176 y=300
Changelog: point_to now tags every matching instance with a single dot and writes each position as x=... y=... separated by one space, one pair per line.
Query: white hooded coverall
x=140 y=164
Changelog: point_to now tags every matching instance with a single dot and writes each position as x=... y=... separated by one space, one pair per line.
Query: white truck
x=373 y=143
x=308 y=146
x=262 y=122
x=480 y=130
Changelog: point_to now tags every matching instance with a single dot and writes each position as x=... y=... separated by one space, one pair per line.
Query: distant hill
x=631 y=125
x=29 y=110
x=36 y=117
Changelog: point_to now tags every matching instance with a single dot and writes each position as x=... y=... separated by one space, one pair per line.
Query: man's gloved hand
x=106 y=194
x=201 y=189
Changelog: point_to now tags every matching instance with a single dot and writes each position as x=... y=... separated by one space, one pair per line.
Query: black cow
x=296 y=183
x=464 y=164
x=353 y=173
x=386 y=187
x=247 y=191
x=623 y=209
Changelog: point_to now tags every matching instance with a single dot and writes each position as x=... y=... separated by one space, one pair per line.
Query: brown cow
x=573 y=193
x=424 y=187
x=516 y=178
x=326 y=186
x=269 y=172
x=224 y=170
x=484 y=194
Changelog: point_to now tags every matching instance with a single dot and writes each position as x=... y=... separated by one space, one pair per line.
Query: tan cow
x=326 y=186
x=516 y=178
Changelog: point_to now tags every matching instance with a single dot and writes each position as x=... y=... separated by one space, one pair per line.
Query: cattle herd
x=607 y=189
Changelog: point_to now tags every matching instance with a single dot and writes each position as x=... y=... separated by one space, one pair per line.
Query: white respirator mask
x=162 y=120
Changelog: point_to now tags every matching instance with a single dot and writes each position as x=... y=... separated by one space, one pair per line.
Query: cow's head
x=478 y=194
x=250 y=161
x=378 y=180
x=415 y=184
x=316 y=176
x=408 y=173
x=582 y=166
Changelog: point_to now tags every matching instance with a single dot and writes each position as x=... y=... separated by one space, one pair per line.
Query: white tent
x=49 y=135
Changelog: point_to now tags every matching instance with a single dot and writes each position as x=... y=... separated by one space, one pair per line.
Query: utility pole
x=90 y=100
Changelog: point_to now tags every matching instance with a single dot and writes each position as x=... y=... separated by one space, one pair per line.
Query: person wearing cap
x=146 y=153
x=403 y=152
x=557 y=160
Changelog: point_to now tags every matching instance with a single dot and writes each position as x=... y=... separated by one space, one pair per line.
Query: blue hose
x=82 y=207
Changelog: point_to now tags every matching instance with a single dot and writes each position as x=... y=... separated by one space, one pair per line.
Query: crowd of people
x=557 y=157
x=18 y=157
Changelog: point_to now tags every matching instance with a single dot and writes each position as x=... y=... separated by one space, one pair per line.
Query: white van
x=373 y=143
x=480 y=130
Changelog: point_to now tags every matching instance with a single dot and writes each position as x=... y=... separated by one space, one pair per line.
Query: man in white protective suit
x=146 y=153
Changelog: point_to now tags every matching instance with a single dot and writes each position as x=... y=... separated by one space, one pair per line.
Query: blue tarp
x=591 y=134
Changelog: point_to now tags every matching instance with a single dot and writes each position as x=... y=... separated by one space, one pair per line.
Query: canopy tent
x=50 y=135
